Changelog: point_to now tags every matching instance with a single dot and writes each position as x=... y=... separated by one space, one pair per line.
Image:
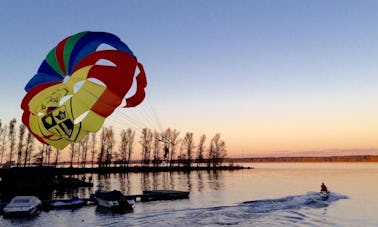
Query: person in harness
x=323 y=188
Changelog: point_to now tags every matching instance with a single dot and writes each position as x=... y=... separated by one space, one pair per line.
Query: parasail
x=78 y=85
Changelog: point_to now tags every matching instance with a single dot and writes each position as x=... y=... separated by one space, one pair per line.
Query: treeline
x=105 y=149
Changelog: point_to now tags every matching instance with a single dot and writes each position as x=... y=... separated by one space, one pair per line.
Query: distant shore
x=349 y=158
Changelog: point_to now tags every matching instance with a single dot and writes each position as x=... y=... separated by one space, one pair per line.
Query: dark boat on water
x=22 y=206
x=114 y=200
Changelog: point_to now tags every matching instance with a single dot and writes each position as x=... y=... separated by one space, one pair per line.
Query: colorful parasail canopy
x=78 y=85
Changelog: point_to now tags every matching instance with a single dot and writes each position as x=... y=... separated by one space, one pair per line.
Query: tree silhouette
x=146 y=139
x=21 y=135
x=57 y=152
x=131 y=137
x=84 y=143
x=201 y=149
x=123 y=148
x=72 y=153
x=28 y=148
x=12 y=138
x=217 y=150
x=189 y=146
x=3 y=133
x=93 y=147
x=109 y=146
x=156 y=149
x=101 y=155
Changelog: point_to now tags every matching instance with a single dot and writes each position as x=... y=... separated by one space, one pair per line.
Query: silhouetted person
x=323 y=188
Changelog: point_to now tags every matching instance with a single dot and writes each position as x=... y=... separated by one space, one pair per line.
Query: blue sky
x=267 y=75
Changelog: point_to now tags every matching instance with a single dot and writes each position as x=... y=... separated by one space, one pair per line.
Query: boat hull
x=22 y=206
x=114 y=201
x=324 y=195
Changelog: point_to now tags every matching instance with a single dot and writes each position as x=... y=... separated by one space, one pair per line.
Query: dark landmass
x=49 y=177
x=351 y=158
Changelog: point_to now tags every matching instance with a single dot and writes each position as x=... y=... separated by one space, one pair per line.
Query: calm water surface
x=275 y=194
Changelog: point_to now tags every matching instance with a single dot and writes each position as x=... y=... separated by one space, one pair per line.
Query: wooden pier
x=155 y=195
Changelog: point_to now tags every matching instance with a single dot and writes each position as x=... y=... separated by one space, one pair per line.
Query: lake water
x=283 y=194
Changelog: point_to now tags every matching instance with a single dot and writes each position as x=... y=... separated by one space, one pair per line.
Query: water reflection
x=124 y=182
x=136 y=183
x=217 y=198
x=145 y=181
x=200 y=181
x=214 y=180
x=189 y=181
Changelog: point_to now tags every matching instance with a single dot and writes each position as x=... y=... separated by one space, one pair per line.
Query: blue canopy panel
x=88 y=44
x=41 y=78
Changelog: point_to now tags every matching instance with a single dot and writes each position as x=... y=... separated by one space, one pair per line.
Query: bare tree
x=72 y=153
x=201 y=149
x=77 y=151
x=156 y=149
x=12 y=138
x=217 y=150
x=131 y=137
x=21 y=135
x=126 y=146
x=106 y=147
x=173 y=141
x=188 y=146
x=93 y=147
x=123 y=148
x=38 y=157
x=109 y=146
x=3 y=133
x=48 y=149
x=44 y=156
x=28 y=148
x=57 y=152
x=170 y=140
x=146 y=141
x=84 y=143
x=166 y=144
x=101 y=155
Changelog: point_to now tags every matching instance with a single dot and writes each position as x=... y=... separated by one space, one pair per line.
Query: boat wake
x=266 y=212
x=309 y=200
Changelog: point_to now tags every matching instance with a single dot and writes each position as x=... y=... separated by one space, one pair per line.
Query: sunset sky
x=270 y=76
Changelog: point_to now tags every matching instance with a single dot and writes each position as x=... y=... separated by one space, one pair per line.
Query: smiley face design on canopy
x=78 y=85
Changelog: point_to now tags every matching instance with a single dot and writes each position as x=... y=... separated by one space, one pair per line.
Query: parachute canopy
x=78 y=85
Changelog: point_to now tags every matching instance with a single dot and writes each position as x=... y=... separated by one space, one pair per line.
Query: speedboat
x=23 y=206
x=324 y=195
x=114 y=200
x=68 y=203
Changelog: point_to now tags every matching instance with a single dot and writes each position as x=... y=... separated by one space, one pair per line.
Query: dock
x=155 y=195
